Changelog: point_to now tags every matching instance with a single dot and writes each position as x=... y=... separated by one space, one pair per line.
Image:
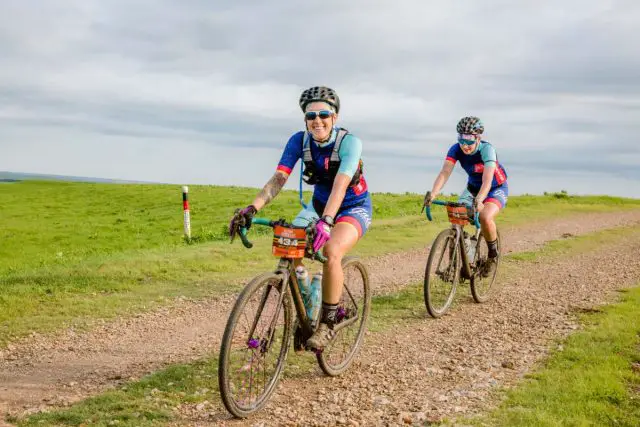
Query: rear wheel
x=483 y=284
x=354 y=306
x=254 y=345
x=441 y=273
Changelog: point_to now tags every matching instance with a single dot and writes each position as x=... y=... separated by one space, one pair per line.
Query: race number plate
x=289 y=242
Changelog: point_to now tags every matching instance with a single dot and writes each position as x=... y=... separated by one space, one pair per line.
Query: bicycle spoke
x=353 y=306
x=254 y=348
x=483 y=284
x=441 y=274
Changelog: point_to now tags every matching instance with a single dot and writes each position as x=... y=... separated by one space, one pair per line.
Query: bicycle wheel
x=355 y=303
x=254 y=346
x=482 y=287
x=441 y=274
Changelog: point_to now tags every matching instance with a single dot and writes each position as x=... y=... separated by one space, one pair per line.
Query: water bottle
x=471 y=248
x=303 y=283
x=315 y=299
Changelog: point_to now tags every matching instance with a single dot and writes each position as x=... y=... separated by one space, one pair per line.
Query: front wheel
x=482 y=284
x=442 y=273
x=254 y=346
x=354 y=307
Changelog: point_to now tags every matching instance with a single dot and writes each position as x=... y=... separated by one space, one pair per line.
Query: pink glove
x=323 y=234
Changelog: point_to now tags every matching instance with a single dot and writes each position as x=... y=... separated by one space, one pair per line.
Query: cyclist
x=487 y=187
x=341 y=205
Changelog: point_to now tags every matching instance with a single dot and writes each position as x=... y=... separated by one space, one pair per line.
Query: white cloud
x=555 y=83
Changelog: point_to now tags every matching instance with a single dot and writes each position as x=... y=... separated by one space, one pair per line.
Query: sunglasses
x=323 y=114
x=466 y=139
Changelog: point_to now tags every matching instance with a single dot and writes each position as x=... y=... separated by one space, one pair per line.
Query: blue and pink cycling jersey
x=474 y=165
x=356 y=207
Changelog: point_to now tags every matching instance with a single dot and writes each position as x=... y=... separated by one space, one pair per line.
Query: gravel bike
x=258 y=333
x=456 y=256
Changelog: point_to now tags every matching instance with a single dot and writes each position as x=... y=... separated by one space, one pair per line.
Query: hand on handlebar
x=241 y=219
x=477 y=204
x=428 y=198
x=322 y=234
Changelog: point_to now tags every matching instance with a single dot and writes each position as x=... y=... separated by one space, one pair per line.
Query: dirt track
x=425 y=380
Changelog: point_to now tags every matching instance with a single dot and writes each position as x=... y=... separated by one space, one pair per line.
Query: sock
x=493 y=248
x=329 y=312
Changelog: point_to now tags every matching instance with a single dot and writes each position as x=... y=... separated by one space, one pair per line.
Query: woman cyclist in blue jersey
x=341 y=205
x=487 y=185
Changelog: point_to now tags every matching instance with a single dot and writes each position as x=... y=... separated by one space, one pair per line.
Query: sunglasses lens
x=323 y=114
x=466 y=139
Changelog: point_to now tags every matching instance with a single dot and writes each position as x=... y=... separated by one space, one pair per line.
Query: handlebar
x=245 y=240
x=243 y=230
x=269 y=223
x=474 y=216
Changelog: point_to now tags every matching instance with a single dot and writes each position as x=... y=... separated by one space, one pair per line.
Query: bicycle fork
x=265 y=342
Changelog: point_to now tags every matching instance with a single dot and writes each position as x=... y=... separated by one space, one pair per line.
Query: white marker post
x=185 y=207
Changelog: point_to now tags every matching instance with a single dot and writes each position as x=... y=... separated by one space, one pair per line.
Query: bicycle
x=252 y=357
x=462 y=257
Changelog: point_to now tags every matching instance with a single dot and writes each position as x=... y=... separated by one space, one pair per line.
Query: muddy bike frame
x=286 y=271
x=459 y=230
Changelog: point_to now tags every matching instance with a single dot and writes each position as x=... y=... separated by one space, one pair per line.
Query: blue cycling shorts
x=498 y=196
x=359 y=215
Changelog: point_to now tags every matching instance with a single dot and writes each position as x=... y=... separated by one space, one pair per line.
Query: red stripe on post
x=185 y=198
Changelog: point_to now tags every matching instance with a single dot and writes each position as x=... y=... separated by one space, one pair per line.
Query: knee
x=333 y=252
x=485 y=217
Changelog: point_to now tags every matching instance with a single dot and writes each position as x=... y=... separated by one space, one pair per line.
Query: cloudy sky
x=204 y=91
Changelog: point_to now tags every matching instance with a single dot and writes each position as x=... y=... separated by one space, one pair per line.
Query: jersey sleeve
x=292 y=152
x=452 y=154
x=350 y=154
x=489 y=156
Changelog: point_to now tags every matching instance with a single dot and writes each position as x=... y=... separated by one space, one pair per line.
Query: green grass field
x=74 y=252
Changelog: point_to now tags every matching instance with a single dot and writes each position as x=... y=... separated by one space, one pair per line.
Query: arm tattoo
x=273 y=187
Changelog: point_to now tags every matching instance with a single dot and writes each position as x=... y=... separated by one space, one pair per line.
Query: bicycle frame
x=286 y=271
x=466 y=262
x=459 y=241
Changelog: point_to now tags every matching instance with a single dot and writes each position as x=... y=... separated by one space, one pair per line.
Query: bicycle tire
x=333 y=366
x=481 y=293
x=445 y=238
x=259 y=286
